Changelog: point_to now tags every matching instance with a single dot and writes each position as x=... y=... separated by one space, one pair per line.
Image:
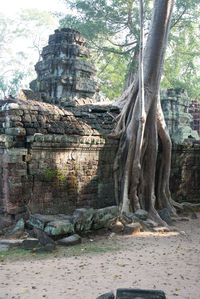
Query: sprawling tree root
x=137 y=130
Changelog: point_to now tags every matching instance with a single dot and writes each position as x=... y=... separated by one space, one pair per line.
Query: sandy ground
x=166 y=261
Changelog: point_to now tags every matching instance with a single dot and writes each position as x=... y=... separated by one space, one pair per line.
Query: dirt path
x=168 y=261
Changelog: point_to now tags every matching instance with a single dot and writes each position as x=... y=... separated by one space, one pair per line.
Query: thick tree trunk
x=135 y=163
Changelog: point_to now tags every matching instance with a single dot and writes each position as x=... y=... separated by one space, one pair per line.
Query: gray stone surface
x=4 y=248
x=40 y=221
x=109 y=295
x=43 y=238
x=139 y=294
x=70 y=241
x=141 y=214
x=105 y=216
x=29 y=243
x=64 y=73
x=175 y=103
x=59 y=227
x=17 y=231
x=11 y=243
x=83 y=219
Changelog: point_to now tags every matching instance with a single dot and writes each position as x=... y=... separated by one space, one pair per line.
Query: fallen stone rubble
x=44 y=232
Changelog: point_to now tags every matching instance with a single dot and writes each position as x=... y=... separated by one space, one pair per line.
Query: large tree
x=140 y=123
x=113 y=27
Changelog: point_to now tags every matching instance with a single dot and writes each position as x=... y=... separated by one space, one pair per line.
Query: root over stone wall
x=54 y=160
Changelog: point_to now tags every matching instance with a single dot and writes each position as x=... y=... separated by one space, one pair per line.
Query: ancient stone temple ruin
x=55 y=150
x=65 y=72
x=194 y=110
x=175 y=104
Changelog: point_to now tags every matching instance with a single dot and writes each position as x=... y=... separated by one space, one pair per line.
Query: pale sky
x=11 y=7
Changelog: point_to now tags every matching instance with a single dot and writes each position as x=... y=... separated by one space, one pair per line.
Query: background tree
x=112 y=26
x=112 y=30
x=182 y=63
x=30 y=29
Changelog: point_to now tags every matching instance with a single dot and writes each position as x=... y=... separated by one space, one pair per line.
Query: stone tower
x=175 y=103
x=65 y=72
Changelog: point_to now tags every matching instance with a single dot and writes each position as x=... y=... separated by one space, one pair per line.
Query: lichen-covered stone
x=175 y=104
x=83 y=219
x=59 y=227
x=70 y=241
x=40 y=221
x=141 y=214
x=17 y=231
x=105 y=216
x=29 y=243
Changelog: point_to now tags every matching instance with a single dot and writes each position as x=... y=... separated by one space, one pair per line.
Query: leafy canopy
x=112 y=26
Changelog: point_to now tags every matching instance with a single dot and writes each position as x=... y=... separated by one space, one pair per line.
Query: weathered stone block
x=29 y=243
x=17 y=231
x=139 y=294
x=141 y=214
x=70 y=241
x=11 y=243
x=109 y=295
x=83 y=219
x=105 y=216
x=59 y=227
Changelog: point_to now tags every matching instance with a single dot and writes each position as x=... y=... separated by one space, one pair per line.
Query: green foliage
x=182 y=63
x=111 y=70
x=54 y=174
x=20 y=39
x=112 y=30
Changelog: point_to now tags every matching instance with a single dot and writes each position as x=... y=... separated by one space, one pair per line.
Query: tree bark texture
x=140 y=122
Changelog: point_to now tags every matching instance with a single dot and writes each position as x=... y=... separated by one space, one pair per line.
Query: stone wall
x=185 y=172
x=55 y=160
x=175 y=104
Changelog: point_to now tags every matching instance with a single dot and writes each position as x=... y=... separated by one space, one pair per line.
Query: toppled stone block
x=105 y=216
x=11 y=243
x=4 y=247
x=17 y=231
x=39 y=221
x=139 y=294
x=29 y=243
x=44 y=240
x=141 y=214
x=59 y=227
x=70 y=241
x=133 y=228
x=109 y=295
x=83 y=219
